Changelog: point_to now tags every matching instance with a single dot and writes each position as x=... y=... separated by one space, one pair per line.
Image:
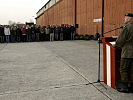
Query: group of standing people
x=57 y=32
x=32 y=33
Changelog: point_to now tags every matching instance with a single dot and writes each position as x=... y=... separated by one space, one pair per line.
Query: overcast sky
x=19 y=10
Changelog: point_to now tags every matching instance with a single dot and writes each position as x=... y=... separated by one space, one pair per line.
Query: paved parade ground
x=62 y=70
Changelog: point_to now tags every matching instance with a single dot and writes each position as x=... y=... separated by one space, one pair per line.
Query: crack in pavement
x=92 y=83
x=42 y=89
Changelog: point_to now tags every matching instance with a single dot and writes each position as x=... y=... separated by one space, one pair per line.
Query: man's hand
x=113 y=45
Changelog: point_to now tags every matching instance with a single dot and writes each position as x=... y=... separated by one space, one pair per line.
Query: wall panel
x=114 y=14
x=86 y=11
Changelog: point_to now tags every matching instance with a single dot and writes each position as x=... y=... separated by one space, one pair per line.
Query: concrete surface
x=62 y=70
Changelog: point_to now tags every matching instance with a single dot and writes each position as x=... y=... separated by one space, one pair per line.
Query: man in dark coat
x=72 y=29
x=1 y=34
x=18 y=34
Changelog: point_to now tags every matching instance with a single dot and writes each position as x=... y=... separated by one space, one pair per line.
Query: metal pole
x=102 y=18
x=99 y=63
x=100 y=40
x=75 y=12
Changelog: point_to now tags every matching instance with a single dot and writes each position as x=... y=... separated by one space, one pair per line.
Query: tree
x=10 y=22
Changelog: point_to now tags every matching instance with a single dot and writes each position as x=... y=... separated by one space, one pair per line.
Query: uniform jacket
x=125 y=40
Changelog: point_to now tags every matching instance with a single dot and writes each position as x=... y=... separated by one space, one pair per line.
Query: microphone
x=114 y=29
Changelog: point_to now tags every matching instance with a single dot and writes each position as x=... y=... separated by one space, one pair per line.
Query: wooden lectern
x=111 y=61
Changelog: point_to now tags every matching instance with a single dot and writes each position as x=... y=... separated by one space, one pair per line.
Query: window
x=47 y=6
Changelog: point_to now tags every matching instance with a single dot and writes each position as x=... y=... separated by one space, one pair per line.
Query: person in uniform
x=1 y=34
x=125 y=41
x=52 y=30
x=72 y=29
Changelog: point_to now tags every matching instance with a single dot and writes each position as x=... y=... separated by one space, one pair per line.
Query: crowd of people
x=32 y=33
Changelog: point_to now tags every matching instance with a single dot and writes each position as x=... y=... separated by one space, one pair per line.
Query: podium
x=111 y=61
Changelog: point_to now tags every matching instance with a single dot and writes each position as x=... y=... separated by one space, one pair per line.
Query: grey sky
x=19 y=10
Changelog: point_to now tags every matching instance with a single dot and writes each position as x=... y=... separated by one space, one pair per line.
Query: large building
x=86 y=13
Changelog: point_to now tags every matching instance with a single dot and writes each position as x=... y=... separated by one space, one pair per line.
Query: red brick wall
x=114 y=13
x=87 y=10
x=60 y=13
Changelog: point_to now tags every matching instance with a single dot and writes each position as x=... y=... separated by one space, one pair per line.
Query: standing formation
x=32 y=33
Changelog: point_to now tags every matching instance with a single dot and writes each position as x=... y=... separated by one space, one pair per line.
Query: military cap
x=129 y=14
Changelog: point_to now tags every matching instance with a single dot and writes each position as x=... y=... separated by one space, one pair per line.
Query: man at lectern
x=125 y=41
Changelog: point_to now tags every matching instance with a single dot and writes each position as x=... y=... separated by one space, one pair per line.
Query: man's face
x=128 y=19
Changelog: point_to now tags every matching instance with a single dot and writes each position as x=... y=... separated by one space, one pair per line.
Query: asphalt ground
x=59 y=70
